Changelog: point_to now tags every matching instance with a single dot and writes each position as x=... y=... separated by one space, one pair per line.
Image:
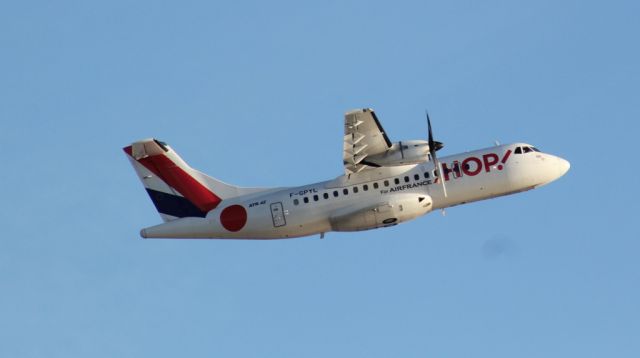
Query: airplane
x=383 y=184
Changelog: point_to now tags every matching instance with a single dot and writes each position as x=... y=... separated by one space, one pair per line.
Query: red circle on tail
x=233 y=217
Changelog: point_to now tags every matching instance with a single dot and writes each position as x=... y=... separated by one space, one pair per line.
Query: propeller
x=433 y=147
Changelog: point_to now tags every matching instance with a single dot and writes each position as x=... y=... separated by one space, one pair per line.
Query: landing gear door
x=277 y=214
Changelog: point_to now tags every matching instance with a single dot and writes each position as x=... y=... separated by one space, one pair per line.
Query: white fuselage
x=378 y=197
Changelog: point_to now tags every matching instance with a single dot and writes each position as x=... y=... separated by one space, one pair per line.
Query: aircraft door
x=277 y=214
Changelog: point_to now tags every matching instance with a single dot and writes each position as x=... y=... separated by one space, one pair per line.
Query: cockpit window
x=535 y=149
x=518 y=150
x=527 y=149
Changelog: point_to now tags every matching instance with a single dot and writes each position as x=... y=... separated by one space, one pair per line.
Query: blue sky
x=253 y=93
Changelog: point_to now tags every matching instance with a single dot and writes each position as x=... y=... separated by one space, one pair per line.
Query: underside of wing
x=363 y=137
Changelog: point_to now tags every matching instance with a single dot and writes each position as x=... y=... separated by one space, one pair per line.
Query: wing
x=363 y=136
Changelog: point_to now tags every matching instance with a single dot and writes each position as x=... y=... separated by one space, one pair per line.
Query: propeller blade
x=432 y=152
x=429 y=129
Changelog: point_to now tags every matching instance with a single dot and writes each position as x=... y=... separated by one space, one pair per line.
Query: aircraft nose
x=563 y=166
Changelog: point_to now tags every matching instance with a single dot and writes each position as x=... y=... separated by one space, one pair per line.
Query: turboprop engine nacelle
x=400 y=208
x=403 y=153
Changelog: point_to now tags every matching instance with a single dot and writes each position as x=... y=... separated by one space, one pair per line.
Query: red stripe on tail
x=180 y=180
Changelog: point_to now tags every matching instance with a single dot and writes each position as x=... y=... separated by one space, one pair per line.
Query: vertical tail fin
x=176 y=189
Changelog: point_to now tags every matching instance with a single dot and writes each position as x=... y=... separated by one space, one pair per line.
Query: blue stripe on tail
x=174 y=205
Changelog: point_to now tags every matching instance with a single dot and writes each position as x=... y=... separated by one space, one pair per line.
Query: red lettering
x=445 y=171
x=506 y=156
x=455 y=170
x=489 y=160
x=504 y=159
x=466 y=168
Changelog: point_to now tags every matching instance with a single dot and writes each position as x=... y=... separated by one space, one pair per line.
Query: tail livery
x=176 y=189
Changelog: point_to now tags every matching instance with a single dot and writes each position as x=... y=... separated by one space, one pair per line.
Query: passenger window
x=386 y=183
x=325 y=195
x=406 y=179
x=355 y=189
x=426 y=175
x=416 y=177
x=365 y=187
x=315 y=198
x=296 y=201
x=527 y=149
x=306 y=200
x=396 y=180
x=518 y=150
x=345 y=191
x=375 y=185
x=335 y=193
